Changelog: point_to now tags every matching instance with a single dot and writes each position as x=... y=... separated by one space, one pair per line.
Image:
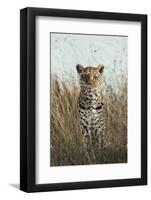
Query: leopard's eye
x=83 y=75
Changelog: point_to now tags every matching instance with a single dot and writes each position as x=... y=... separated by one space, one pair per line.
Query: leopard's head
x=90 y=76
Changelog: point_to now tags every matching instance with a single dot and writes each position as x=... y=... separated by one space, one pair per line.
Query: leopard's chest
x=90 y=116
x=90 y=109
x=89 y=99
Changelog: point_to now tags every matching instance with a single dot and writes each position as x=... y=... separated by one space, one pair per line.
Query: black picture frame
x=28 y=99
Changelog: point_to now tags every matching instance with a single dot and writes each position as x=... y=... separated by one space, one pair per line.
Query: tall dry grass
x=65 y=137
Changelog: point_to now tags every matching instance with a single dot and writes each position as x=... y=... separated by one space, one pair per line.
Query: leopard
x=90 y=106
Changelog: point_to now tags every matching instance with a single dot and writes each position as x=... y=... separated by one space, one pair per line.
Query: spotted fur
x=91 y=106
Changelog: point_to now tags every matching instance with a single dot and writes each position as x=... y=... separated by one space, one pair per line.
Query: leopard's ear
x=79 y=68
x=100 y=68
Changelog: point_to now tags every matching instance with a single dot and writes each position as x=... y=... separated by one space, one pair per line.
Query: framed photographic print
x=83 y=99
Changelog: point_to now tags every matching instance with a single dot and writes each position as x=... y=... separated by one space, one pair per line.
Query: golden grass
x=66 y=146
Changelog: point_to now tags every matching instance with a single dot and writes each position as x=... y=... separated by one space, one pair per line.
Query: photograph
x=88 y=99
x=83 y=99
